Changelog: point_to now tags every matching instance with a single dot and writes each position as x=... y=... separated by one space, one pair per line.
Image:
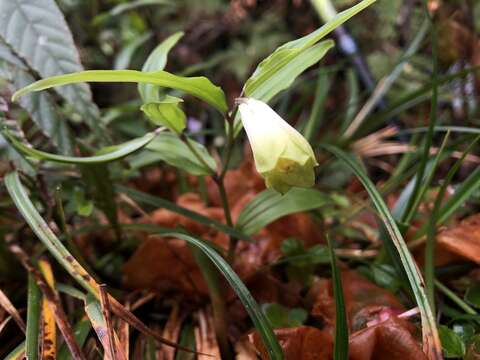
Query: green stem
x=195 y=153
x=33 y=319
x=455 y=298
x=230 y=140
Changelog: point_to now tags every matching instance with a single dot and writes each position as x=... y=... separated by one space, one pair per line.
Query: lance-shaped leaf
x=199 y=87
x=156 y=61
x=106 y=154
x=278 y=71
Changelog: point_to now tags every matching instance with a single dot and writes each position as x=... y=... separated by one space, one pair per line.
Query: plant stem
x=194 y=151
x=455 y=298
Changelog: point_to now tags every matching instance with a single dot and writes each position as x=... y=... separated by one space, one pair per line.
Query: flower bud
x=282 y=155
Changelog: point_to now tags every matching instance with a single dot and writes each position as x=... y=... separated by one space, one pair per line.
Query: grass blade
x=11 y=310
x=340 y=351
x=49 y=341
x=33 y=319
x=259 y=320
x=158 y=202
x=70 y=264
x=431 y=340
x=53 y=302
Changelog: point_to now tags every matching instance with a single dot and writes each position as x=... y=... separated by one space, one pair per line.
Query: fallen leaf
x=364 y=301
x=299 y=343
x=463 y=239
x=389 y=339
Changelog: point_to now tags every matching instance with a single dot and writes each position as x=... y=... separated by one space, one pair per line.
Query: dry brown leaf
x=463 y=239
x=364 y=301
x=164 y=265
x=299 y=343
x=205 y=338
x=390 y=339
x=171 y=332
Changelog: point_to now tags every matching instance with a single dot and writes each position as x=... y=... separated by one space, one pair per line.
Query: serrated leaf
x=270 y=205
x=166 y=113
x=169 y=148
x=200 y=86
x=41 y=106
x=156 y=61
x=38 y=32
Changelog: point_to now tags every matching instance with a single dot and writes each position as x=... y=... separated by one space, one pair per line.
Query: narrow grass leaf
x=18 y=353
x=11 y=310
x=24 y=205
x=158 y=202
x=53 y=301
x=431 y=340
x=49 y=333
x=340 y=351
x=81 y=331
x=33 y=319
x=258 y=318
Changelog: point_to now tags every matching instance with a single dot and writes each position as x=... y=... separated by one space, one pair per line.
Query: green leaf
x=40 y=106
x=269 y=205
x=340 y=351
x=452 y=344
x=278 y=71
x=156 y=61
x=429 y=329
x=124 y=57
x=199 y=87
x=81 y=330
x=132 y=5
x=282 y=317
x=107 y=154
x=25 y=206
x=157 y=202
x=37 y=31
x=166 y=113
x=256 y=315
x=472 y=295
x=462 y=193
x=16 y=353
x=33 y=318
x=169 y=148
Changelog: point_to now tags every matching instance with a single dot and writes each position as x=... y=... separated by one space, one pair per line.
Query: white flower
x=282 y=155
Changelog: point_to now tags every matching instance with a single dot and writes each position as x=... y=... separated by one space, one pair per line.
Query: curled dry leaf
x=463 y=239
x=299 y=343
x=390 y=339
x=364 y=301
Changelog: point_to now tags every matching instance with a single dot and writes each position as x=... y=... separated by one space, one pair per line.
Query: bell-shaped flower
x=282 y=155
